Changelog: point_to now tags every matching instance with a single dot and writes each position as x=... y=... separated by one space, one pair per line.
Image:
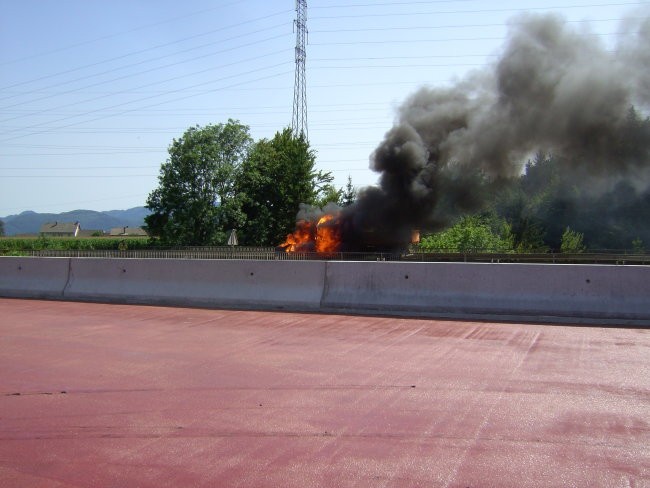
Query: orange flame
x=300 y=237
x=323 y=237
x=328 y=234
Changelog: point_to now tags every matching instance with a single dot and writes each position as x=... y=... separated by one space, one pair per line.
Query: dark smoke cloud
x=553 y=89
x=633 y=48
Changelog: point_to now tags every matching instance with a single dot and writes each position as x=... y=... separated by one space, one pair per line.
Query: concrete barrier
x=212 y=283
x=541 y=292
x=529 y=291
x=33 y=277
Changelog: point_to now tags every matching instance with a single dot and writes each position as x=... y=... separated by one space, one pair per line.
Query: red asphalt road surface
x=96 y=395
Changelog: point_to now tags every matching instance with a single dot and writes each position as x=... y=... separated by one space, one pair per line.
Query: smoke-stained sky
x=554 y=88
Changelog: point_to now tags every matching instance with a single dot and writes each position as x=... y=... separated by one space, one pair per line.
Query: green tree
x=531 y=237
x=2 y=228
x=637 y=245
x=471 y=233
x=349 y=194
x=600 y=196
x=195 y=202
x=329 y=194
x=572 y=242
x=275 y=179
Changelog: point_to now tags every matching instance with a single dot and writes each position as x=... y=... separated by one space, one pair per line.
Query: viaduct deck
x=96 y=395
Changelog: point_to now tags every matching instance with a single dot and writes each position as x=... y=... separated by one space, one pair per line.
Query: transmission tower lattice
x=299 y=118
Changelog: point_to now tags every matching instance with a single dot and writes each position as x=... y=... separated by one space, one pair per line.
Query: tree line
x=564 y=205
x=217 y=178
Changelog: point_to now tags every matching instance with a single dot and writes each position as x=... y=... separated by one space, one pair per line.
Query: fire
x=323 y=236
x=300 y=238
x=328 y=234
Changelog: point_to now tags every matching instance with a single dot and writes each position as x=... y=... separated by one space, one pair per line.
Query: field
x=16 y=246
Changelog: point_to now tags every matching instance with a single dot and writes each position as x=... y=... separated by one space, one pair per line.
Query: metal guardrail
x=270 y=253
x=213 y=253
x=553 y=258
x=188 y=253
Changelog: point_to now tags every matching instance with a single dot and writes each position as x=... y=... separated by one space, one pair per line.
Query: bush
x=637 y=246
x=572 y=242
x=472 y=233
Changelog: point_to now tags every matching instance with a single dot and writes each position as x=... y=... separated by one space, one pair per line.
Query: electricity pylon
x=299 y=118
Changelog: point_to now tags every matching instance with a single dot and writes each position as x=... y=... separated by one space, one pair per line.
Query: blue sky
x=93 y=92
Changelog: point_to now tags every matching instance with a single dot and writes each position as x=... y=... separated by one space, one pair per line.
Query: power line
x=58 y=146
x=237 y=47
x=53 y=110
x=136 y=92
x=401 y=66
x=448 y=26
x=100 y=130
x=77 y=168
x=474 y=11
x=428 y=56
x=90 y=41
x=446 y=39
x=97 y=151
x=80 y=176
x=151 y=105
x=346 y=144
x=94 y=153
x=260 y=107
x=159 y=82
x=151 y=96
x=67 y=82
x=392 y=4
x=350 y=169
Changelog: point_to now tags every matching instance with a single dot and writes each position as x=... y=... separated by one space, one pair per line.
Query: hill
x=29 y=222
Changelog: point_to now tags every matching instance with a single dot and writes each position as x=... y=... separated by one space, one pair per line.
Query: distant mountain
x=30 y=222
x=135 y=214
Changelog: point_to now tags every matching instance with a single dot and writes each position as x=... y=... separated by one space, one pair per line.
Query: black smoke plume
x=553 y=89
